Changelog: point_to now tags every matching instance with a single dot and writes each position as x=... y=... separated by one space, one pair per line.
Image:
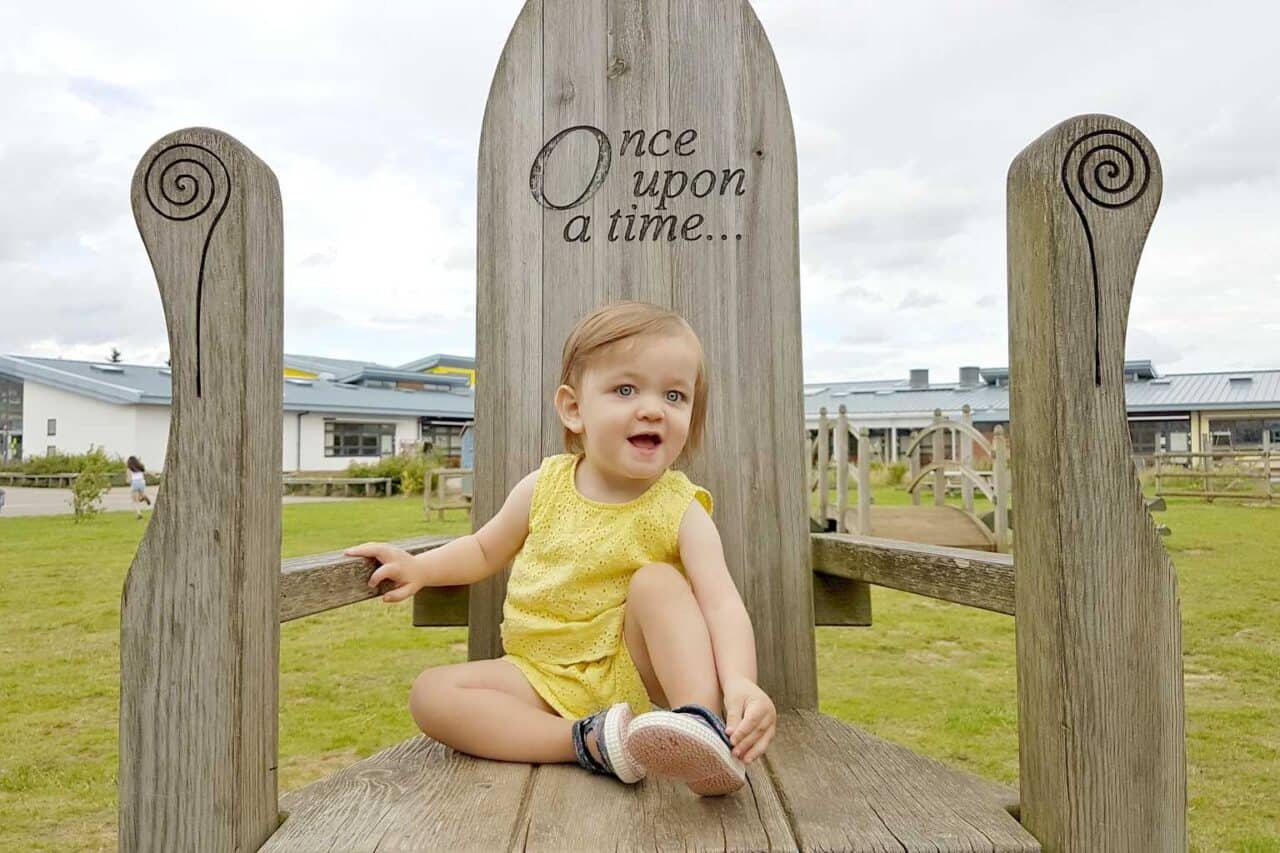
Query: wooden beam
x=974 y=578
x=321 y=582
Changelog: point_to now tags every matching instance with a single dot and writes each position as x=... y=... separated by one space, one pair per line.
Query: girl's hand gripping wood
x=397 y=566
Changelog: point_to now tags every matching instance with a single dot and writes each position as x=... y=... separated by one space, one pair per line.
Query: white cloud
x=906 y=120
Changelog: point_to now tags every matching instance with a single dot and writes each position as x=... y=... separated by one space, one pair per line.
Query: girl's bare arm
x=463 y=561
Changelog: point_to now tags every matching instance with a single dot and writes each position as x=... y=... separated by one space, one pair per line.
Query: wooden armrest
x=322 y=582
x=974 y=578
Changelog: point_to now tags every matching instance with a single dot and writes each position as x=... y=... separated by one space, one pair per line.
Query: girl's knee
x=656 y=578
x=427 y=691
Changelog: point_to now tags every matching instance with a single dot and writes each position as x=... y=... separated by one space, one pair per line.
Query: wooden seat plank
x=417 y=795
x=848 y=790
x=569 y=809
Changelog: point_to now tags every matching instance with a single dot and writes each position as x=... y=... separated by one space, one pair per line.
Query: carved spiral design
x=1109 y=168
x=183 y=181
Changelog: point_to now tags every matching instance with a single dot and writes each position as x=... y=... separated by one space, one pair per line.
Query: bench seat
x=823 y=785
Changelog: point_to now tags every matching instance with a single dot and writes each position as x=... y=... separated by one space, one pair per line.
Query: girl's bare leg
x=488 y=709
x=668 y=639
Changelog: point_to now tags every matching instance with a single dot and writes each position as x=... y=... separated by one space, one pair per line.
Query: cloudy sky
x=907 y=116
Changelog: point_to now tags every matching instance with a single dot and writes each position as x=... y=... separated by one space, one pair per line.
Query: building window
x=53 y=426
x=1241 y=433
x=357 y=439
x=1147 y=437
x=52 y=450
x=445 y=440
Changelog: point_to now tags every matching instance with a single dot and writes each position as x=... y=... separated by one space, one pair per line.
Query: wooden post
x=1001 y=489
x=1101 y=719
x=199 y=626
x=864 y=482
x=842 y=469
x=824 y=438
x=915 y=469
x=966 y=458
x=1266 y=460
x=939 y=460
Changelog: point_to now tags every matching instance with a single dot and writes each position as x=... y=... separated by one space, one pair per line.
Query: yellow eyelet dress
x=563 y=614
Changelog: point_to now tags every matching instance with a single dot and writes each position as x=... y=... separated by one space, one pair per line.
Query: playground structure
x=1221 y=472
x=938 y=524
x=1101 y=740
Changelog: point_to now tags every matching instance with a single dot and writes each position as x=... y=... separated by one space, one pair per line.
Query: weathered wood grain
x=417 y=795
x=199 y=630
x=957 y=575
x=840 y=601
x=510 y=404
x=704 y=73
x=321 y=582
x=847 y=790
x=1101 y=719
x=569 y=809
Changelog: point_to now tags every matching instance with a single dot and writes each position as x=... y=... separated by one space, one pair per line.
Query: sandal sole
x=681 y=748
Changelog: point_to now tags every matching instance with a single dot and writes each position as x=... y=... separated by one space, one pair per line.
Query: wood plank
x=1101 y=715
x=322 y=582
x=845 y=789
x=509 y=264
x=417 y=795
x=569 y=809
x=840 y=601
x=199 y=628
x=973 y=578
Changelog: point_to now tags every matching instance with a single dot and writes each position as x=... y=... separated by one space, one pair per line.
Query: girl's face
x=634 y=405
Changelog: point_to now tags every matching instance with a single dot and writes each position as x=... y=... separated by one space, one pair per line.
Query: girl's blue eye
x=675 y=396
x=626 y=390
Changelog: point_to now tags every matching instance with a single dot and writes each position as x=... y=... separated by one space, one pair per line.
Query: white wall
x=313 y=458
x=143 y=431
x=83 y=421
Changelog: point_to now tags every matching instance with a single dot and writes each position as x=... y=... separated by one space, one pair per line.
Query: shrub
x=91 y=485
x=895 y=473
x=406 y=469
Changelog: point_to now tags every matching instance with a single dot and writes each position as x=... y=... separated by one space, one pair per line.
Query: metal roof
x=465 y=362
x=336 y=366
x=133 y=384
x=1232 y=389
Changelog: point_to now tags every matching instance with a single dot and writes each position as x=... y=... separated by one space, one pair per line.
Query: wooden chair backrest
x=645 y=151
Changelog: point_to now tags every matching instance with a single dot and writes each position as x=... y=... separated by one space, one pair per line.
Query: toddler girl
x=619 y=595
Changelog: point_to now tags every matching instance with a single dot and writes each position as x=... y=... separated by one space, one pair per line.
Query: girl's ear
x=566 y=402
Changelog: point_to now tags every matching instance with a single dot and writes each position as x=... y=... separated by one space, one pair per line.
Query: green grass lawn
x=934 y=676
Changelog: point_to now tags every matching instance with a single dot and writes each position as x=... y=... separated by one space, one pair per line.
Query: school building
x=1172 y=412
x=335 y=411
x=338 y=411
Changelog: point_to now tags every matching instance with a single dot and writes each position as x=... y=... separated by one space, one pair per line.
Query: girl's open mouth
x=645 y=441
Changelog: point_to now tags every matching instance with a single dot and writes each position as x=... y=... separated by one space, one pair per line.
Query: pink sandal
x=688 y=744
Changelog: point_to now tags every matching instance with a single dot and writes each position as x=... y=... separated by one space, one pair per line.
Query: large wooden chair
x=591 y=100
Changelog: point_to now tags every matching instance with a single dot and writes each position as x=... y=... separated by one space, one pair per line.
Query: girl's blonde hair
x=619 y=322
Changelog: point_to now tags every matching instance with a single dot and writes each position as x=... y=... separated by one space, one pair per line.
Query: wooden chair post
x=1100 y=698
x=199 y=626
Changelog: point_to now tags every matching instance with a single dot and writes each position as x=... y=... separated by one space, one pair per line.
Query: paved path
x=19 y=500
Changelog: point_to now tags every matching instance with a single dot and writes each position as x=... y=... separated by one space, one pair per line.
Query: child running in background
x=619 y=596
x=137 y=484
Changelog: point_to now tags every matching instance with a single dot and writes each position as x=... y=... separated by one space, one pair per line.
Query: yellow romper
x=562 y=617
